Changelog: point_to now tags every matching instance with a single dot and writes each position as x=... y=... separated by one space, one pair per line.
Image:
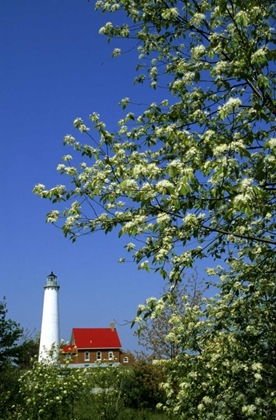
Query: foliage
x=16 y=349
x=191 y=177
x=154 y=329
x=9 y=391
x=142 y=387
x=144 y=414
x=28 y=349
x=227 y=367
x=10 y=332
x=197 y=169
x=107 y=400
x=50 y=392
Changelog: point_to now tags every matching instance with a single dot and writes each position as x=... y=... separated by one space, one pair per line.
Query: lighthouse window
x=99 y=355
x=86 y=356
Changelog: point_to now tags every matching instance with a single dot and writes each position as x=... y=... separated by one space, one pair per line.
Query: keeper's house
x=89 y=346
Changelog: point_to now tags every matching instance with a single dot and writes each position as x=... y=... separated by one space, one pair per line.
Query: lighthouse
x=49 y=336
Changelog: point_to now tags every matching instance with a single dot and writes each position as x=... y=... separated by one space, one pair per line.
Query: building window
x=125 y=360
x=110 y=355
x=86 y=356
x=99 y=355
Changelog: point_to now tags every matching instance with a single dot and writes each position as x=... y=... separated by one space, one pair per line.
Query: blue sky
x=55 y=67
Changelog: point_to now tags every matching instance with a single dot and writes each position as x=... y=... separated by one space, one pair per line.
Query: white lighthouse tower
x=49 y=337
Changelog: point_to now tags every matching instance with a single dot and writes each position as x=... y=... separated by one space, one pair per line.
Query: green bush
x=141 y=386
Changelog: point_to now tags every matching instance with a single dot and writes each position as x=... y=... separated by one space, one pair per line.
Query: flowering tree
x=153 y=331
x=190 y=177
x=226 y=367
x=50 y=392
x=197 y=169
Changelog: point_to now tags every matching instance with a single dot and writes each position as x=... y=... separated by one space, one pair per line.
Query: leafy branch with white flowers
x=191 y=177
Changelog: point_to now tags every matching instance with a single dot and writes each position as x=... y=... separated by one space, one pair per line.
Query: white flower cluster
x=257 y=366
x=130 y=246
x=220 y=67
x=69 y=140
x=197 y=19
x=208 y=135
x=94 y=117
x=153 y=72
x=271 y=143
x=138 y=220
x=178 y=84
x=163 y=218
x=259 y=54
x=163 y=184
x=190 y=220
x=131 y=184
x=231 y=105
x=39 y=189
x=249 y=410
x=71 y=220
x=198 y=51
x=106 y=28
x=245 y=183
x=53 y=216
x=67 y=158
x=142 y=308
x=161 y=254
x=103 y=217
x=61 y=167
x=79 y=124
x=151 y=300
x=116 y=52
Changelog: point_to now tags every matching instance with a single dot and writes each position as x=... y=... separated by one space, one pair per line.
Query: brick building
x=89 y=346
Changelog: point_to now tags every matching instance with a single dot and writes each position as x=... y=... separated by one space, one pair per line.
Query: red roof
x=95 y=338
x=69 y=349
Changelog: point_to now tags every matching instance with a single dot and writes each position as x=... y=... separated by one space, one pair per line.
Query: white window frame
x=87 y=356
x=125 y=359
x=98 y=356
x=110 y=355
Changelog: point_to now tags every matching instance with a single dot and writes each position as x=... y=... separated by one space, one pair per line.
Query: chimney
x=112 y=326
